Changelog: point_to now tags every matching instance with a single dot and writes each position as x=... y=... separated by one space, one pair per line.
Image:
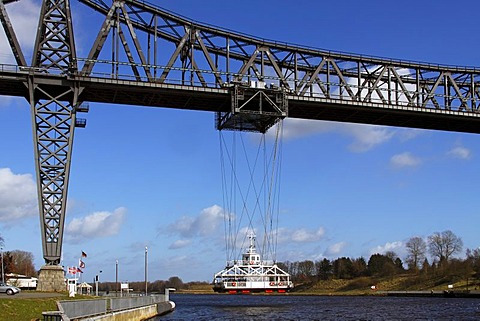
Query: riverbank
x=475 y=294
x=439 y=294
x=370 y=286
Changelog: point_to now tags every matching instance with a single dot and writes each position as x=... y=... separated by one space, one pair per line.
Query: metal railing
x=83 y=308
x=70 y=310
x=135 y=302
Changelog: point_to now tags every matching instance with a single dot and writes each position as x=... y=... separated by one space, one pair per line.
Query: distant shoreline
x=442 y=294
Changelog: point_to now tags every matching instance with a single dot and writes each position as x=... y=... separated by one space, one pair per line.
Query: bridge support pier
x=51 y=278
x=53 y=112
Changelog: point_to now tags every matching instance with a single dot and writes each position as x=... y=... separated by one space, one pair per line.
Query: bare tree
x=307 y=268
x=444 y=245
x=473 y=256
x=416 y=248
x=391 y=255
x=23 y=263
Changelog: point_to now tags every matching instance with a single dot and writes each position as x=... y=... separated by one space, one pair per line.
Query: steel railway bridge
x=144 y=55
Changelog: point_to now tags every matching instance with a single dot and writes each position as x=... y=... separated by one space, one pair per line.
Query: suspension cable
x=256 y=200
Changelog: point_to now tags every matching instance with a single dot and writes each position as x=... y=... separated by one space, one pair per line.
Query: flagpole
x=81 y=264
x=81 y=274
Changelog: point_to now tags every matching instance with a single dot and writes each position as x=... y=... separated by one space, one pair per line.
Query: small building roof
x=19 y=276
x=85 y=285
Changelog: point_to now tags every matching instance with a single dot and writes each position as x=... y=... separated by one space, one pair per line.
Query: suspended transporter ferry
x=252 y=275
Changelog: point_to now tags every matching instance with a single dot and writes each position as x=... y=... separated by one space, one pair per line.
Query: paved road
x=33 y=295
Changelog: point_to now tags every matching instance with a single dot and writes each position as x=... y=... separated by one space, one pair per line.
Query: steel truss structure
x=352 y=88
x=145 y=55
x=53 y=116
x=54 y=119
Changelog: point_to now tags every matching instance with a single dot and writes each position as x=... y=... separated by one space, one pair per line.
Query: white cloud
x=295 y=128
x=18 y=196
x=409 y=133
x=460 y=152
x=180 y=244
x=405 y=160
x=202 y=225
x=365 y=137
x=95 y=225
x=335 y=249
x=397 y=247
x=301 y=235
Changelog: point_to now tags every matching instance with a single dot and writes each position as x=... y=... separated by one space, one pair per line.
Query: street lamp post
x=146 y=270
x=116 y=277
x=3 y=275
x=96 y=283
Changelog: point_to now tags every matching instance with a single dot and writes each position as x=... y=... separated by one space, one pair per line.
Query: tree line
x=440 y=247
x=19 y=262
x=157 y=286
x=434 y=256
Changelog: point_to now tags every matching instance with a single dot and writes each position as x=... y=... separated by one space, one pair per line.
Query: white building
x=21 y=281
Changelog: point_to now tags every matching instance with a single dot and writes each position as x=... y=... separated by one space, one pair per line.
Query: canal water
x=292 y=307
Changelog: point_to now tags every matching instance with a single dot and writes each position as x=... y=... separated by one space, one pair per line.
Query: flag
x=72 y=270
x=79 y=271
x=81 y=264
x=84 y=254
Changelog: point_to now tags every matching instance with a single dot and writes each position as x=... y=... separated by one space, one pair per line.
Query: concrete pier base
x=51 y=278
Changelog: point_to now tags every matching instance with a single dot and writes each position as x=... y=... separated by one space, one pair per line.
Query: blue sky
x=151 y=176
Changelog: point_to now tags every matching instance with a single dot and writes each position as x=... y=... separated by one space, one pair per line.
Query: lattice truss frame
x=172 y=49
x=54 y=124
x=54 y=119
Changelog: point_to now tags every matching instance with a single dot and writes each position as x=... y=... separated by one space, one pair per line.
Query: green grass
x=28 y=309
x=406 y=282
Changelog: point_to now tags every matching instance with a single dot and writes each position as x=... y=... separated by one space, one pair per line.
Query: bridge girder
x=186 y=52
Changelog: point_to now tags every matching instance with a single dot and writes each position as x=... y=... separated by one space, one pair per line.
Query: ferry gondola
x=252 y=275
